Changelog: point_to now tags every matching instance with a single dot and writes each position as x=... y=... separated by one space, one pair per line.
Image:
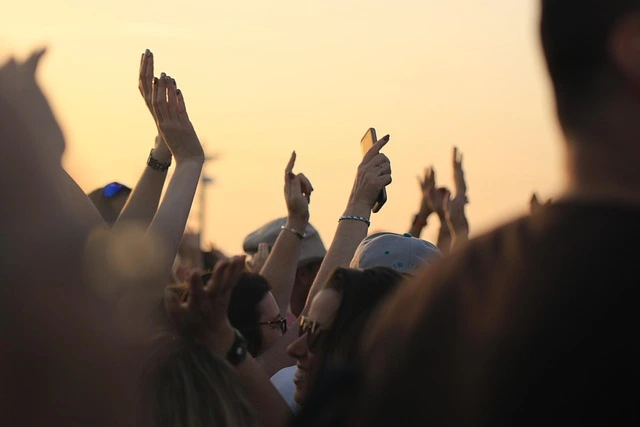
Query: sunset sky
x=262 y=78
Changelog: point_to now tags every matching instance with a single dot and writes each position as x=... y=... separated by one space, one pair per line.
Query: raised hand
x=454 y=213
x=173 y=121
x=297 y=195
x=427 y=186
x=458 y=175
x=374 y=174
x=258 y=260
x=145 y=79
x=203 y=314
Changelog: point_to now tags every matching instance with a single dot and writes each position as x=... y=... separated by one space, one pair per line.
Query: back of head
x=185 y=385
x=576 y=36
x=243 y=309
x=399 y=252
x=110 y=200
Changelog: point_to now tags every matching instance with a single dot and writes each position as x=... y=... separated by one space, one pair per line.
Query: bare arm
x=169 y=222
x=374 y=173
x=143 y=201
x=427 y=186
x=282 y=263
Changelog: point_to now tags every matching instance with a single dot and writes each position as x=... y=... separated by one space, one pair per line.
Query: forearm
x=419 y=221
x=167 y=227
x=348 y=236
x=143 y=201
x=282 y=263
x=444 y=235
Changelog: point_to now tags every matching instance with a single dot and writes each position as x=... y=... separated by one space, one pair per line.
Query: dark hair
x=243 y=309
x=338 y=380
x=575 y=38
x=361 y=291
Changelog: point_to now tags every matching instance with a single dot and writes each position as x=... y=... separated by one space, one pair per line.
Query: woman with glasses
x=330 y=333
x=254 y=312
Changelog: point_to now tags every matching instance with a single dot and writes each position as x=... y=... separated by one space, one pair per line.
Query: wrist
x=297 y=223
x=220 y=343
x=358 y=209
x=161 y=152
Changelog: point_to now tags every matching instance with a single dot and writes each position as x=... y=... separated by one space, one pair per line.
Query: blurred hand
x=535 y=204
x=203 y=314
x=173 y=122
x=256 y=262
x=21 y=91
x=458 y=175
x=427 y=186
x=454 y=213
x=374 y=174
x=297 y=195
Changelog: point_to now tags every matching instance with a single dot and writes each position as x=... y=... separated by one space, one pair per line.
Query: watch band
x=156 y=164
x=238 y=351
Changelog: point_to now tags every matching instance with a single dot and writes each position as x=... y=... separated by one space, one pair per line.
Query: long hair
x=338 y=380
x=185 y=385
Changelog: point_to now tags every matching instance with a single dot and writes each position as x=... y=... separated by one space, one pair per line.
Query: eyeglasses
x=112 y=190
x=281 y=323
x=313 y=330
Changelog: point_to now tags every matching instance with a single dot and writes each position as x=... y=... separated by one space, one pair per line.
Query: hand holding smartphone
x=366 y=143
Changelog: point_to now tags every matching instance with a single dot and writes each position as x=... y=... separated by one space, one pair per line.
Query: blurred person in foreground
x=535 y=322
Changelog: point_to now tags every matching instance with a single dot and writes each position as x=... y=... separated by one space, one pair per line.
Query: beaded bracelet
x=294 y=231
x=356 y=218
x=156 y=164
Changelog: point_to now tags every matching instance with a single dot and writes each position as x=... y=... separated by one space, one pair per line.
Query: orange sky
x=264 y=78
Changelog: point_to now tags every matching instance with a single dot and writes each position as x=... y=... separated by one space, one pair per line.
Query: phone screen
x=366 y=143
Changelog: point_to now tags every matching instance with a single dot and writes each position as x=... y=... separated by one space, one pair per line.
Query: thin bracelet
x=356 y=218
x=156 y=164
x=294 y=231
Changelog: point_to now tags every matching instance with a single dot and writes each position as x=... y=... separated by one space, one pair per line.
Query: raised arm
x=169 y=223
x=454 y=208
x=143 y=201
x=374 y=174
x=282 y=263
x=427 y=185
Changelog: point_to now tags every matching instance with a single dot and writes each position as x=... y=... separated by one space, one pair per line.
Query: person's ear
x=624 y=46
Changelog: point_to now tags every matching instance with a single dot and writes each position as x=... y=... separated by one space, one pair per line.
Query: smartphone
x=366 y=143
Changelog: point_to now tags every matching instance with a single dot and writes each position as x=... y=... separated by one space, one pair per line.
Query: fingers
x=160 y=99
x=181 y=108
x=172 y=96
x=375 y=149
x=378 y=160
x=288 y=171
x=145 y=78
x=263 y=250
x=305 y=186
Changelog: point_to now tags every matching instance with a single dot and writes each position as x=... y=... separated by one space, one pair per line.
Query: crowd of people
x=130 y=322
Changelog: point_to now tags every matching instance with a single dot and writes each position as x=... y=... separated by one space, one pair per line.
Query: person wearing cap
x=312 y=251
x=400 y=252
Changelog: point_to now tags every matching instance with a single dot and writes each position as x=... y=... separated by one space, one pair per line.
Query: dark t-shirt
x=535 y=323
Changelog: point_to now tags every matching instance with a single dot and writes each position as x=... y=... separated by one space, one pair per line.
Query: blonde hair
x=185 y=385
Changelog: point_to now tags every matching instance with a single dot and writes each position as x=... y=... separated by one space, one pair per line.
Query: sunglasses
x=112 y=190
x=281 y=323
x=313 y=330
